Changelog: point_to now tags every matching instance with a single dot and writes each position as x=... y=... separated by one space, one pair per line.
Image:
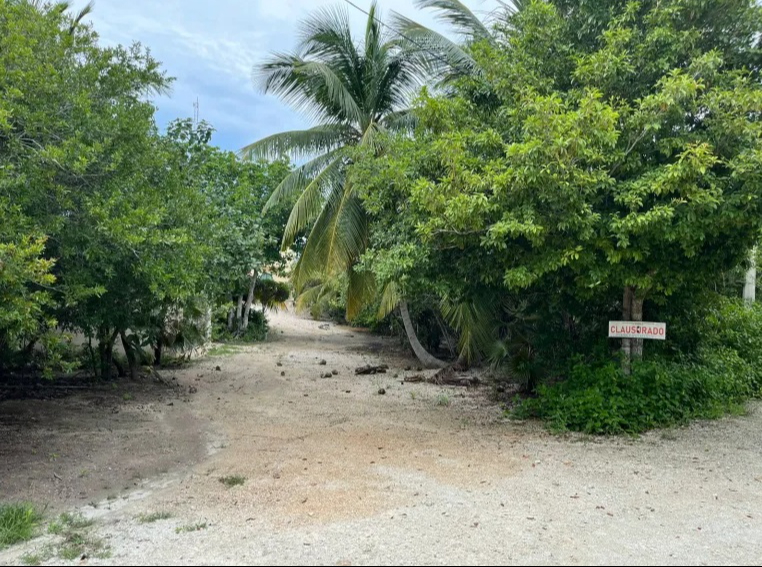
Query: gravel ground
x=337 y=474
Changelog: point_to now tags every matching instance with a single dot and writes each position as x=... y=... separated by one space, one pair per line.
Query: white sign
x=637 y=330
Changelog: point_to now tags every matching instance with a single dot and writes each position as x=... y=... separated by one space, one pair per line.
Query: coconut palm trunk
x=426 y=358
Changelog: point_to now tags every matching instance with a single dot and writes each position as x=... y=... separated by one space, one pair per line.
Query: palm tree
x=354 y=91
x=447 y=59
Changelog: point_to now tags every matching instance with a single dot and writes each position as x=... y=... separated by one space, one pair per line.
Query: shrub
x=256 y=331
x=725 y=372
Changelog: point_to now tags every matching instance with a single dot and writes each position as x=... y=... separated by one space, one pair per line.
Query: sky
x=211 y=47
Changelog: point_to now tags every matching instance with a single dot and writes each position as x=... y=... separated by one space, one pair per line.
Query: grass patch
x=190 y=528
x=75 y=542
x=31 y=559
x=67 y=521
x=153 y=517
x=222 y=350
x=443 y=400
x=76 y=545
x=233 y=480
x=17 y=523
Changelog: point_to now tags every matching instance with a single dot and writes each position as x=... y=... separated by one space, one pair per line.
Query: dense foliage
x=568 y=163
x=718 y=378
x=108 y=227
x=576 y=167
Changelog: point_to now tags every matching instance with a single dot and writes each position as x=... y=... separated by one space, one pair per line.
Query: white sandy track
x=337 y=474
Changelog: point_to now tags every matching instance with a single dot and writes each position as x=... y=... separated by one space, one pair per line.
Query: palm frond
x=300 y=143
x=337 y=238
x=436 y=53
x=329 y=84
x=370 y=137
x=312 y=263
x=390 y=298
x=310 y=202
x=474 y=322
x=296 y=181
x=326 y=33
x=316 y=295
x=82 y=14
x=400 y=74
x=316 y=87
x=362 y=287
x=347 y=235
x=400 y=120
x=457 y=15
x=373 y=33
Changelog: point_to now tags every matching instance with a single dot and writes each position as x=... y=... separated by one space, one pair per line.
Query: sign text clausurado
x=637 y=330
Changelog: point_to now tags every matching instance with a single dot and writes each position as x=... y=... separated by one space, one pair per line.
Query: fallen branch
x=444 y=377
x=369 y=369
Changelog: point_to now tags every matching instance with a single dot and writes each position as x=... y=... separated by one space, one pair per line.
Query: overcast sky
x=210 y=47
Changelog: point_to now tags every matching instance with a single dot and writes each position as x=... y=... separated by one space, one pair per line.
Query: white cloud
x=211 y=48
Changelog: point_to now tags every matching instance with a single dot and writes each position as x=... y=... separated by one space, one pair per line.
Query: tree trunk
x=208 y=325
x=426 y=359
x=157 y=352
x=239 y=313
x=106 y=351
x=632 y=310
x=637 y=315
x=29 y=348
x=231 y=314
x=119 y=368
x=132 y=356
x=249 y=300
x=750 y=286
x=626 y=316
x=452 y=345
x=93 y=362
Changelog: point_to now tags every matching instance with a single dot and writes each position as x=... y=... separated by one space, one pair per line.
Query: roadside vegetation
x=495 y=196
x=566 y=164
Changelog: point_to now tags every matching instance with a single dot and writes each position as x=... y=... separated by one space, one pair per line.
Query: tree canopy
x=579 y=160
x=110 y=226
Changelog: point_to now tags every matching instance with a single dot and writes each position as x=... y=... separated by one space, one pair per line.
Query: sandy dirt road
x=337 y=474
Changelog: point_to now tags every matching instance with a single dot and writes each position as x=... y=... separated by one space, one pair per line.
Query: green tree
x=620 y=162
x=245 y=242
x=25 y=276
x=85 y=168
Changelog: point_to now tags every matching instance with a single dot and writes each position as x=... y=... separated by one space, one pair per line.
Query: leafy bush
x=256 y=331
x=717 y=379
